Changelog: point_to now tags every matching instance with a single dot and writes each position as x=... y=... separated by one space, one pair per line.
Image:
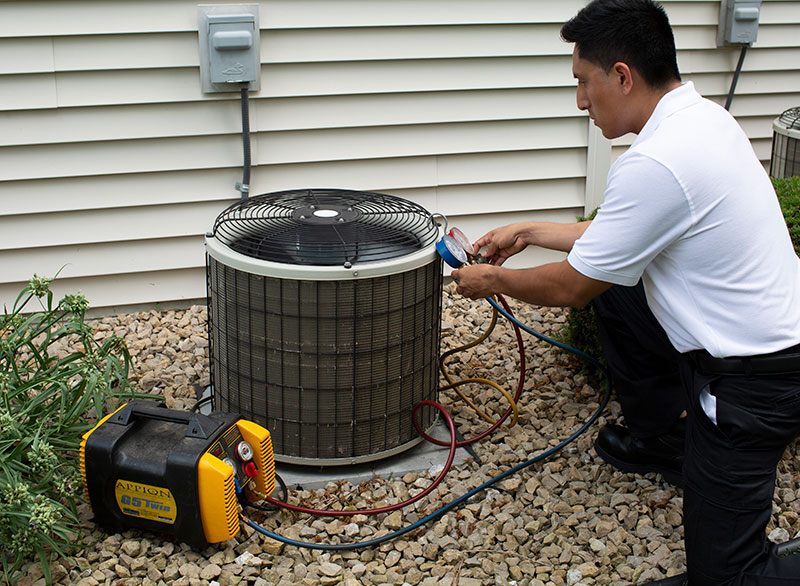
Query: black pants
x=644 y=365
x=730 y=467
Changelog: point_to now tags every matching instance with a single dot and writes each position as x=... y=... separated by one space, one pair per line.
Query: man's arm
x=556 y=236
x=554 y=284
x=502 y=243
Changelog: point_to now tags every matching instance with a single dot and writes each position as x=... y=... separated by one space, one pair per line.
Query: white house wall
x=113 y=163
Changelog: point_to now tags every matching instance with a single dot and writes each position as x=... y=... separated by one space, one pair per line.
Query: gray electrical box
x=229 y=47
x=738 y=22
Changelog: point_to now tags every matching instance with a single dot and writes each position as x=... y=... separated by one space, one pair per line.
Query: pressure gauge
x=462 y=240
x=451 y=251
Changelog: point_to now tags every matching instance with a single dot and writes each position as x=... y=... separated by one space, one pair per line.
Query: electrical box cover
x=229 y=47
x=739 y=21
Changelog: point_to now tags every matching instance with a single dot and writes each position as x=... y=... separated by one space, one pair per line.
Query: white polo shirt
x=690 y=210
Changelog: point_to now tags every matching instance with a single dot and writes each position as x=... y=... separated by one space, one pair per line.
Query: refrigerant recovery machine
x=148 y=467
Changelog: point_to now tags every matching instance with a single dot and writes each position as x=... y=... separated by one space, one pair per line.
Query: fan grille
x=790 y=118
x=325 y=227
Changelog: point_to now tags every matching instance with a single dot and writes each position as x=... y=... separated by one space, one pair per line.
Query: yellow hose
x=451 y=384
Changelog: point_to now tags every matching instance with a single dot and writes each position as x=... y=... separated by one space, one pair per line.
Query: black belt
x=781 y=362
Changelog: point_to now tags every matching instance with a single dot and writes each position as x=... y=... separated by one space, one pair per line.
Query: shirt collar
x=673 y=101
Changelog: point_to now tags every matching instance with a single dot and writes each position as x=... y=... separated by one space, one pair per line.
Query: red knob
x=250 y=469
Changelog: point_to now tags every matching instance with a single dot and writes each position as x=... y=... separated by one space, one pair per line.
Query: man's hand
x=476 y=281
x=502 y=243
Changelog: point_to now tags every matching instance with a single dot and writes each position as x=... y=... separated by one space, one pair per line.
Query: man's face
x=600 y=94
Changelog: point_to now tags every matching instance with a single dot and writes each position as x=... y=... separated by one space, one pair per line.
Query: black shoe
x=679 y=580
x=791 y=547
x=662 y=453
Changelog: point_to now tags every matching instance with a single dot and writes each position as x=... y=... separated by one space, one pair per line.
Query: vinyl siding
x=113 y=163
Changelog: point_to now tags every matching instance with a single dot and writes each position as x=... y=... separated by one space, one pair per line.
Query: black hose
x=244 y=186
x=200 y=402
x=736 y=77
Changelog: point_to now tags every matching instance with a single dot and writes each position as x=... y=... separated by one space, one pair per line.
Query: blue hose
x=544 y=338
x=441 y=511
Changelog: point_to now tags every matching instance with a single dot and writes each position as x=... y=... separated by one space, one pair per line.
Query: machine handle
x=198 y=425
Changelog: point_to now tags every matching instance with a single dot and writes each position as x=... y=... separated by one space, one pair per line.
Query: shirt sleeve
x=645 y=210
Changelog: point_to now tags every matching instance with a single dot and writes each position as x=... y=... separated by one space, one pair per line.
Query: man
x=696 y=286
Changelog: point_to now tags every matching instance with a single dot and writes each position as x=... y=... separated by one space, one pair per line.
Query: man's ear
x=624 y=76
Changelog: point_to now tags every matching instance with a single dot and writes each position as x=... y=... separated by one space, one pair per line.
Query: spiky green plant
x=55 y=378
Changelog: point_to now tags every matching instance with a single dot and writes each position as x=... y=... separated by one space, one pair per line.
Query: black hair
x=634 y=32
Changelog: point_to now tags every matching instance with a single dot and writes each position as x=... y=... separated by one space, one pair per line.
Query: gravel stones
x=570 y=520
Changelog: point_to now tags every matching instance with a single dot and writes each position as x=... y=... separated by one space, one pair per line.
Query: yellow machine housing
x=169 y=471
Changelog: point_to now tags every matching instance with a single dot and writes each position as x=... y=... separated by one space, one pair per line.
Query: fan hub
x=326 y=215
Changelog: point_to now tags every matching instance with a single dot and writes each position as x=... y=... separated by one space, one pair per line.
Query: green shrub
x=788 y=191
x=54 y=377
x=580 y=330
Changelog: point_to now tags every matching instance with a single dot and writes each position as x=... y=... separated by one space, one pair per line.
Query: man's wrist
x=496 y=279
x=529 y=234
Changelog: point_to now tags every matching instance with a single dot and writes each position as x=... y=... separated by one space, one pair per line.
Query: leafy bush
x=580 y=330
x=788 y=191
x=53 y=378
